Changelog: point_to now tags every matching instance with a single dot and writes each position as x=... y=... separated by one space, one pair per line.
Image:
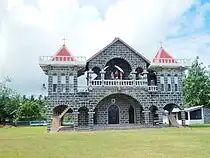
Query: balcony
x=122 y=83
x=167 y=62
x=62 y=61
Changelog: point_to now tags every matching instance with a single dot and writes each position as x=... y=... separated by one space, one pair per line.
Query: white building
x=193 y=115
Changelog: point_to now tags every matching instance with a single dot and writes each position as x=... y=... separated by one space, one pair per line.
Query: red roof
x=163 y=57
x=63 y=55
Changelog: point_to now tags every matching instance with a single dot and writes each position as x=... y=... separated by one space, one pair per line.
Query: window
x=63 y=83
x=54 y=87
x=71 y=79
x=162 y=82
x=169 y=83
x=195 y=115
x=176 y=83
x=71 y=83
x=55 y=82
x=180 y=118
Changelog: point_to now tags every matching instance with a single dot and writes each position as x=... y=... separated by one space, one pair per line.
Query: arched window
x=117 y=68
x=139 y=71
x=96 y=70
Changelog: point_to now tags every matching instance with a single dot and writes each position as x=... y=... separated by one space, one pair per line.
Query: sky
x=33 y=28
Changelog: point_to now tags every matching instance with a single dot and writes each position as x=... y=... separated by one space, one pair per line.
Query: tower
x=170 y=74
x=62 y=70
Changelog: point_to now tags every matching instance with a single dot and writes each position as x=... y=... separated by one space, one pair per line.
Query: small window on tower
x=54 y=87
x=71 y=83
x=55 y=82
x=176 y=83
x=63 y=83
x=169 y=83
x=162 y=82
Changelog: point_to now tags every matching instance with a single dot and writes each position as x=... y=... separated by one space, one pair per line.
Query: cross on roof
x=64 y=40
x=161 y=44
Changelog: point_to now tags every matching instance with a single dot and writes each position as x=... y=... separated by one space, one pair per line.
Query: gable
x=123 y=43
x=118 y=49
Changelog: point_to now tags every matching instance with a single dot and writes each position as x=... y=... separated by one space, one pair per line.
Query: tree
x=9 y=102
x=29 y=111
x=196 y=85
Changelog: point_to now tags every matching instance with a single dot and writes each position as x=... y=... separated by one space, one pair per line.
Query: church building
x=121 y=88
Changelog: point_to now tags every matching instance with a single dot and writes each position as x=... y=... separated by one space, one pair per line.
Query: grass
x=142 y=143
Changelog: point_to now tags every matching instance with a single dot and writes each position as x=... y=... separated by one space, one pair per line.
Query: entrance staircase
x=173 y=121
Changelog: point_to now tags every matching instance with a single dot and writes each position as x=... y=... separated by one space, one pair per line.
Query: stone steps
x=108 y=127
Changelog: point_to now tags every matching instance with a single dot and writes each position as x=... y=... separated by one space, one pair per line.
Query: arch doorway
x=131 y=114
x=113 y=114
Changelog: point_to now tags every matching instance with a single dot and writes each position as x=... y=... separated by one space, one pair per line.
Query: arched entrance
x=170 y=115
x=117 y=68
x=83 y=117
x=153 y=115
x=139 y=71
x=113 y=114
x=131 y=114
x=152 y=78
x=62 y=116
x=118 y=108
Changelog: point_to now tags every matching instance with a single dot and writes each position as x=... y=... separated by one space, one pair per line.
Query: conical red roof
x=163 y=57
x=63 y=55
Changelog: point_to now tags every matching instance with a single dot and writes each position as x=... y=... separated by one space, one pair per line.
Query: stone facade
x=91 y=108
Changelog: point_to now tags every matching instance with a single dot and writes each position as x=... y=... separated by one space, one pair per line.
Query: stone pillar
x=183 y=117
x=49 y=115
x=102 y=76
x=138 y=115
x=160 y=116
x=134 y=77
x=90 y=72
x=75 y=83
x=146 y=117
x=145 y=72
x=49 y=121
x=91 y=122
x=50 y=83
x=75 y=115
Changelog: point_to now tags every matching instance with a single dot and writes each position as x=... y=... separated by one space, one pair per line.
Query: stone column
x=75 y=115
x=75 y=83
x=102 y=76
x=183 y=117
x=49 y=120
x=160 y=116
x=90 y=72
x=90 y=122
x=145 y=72
x=134 y=77
x=138 y=115
x=146 y=117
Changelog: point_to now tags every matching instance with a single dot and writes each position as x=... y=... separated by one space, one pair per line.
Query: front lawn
x=35 y=142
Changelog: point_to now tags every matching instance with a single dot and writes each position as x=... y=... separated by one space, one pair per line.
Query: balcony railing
x=172 y=62
x=96 y=83
x=62 y=60
x=152 y=88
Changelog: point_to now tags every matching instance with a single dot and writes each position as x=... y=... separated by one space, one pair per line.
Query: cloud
x=28 y=32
